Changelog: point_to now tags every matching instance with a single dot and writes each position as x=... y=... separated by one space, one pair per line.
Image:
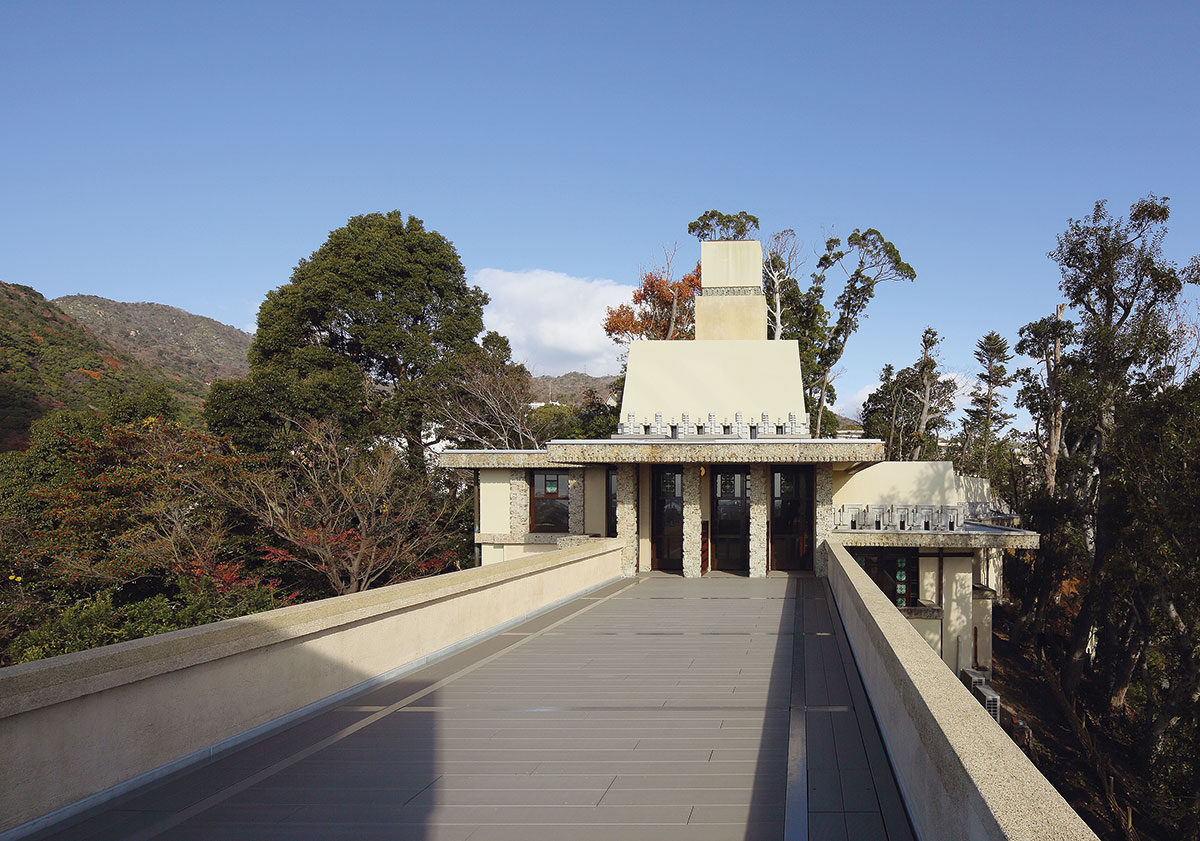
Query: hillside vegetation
x=569 y=388
x=48 y=361
x=187 y=345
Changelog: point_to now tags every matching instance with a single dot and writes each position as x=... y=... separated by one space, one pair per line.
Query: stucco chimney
x=731 y=304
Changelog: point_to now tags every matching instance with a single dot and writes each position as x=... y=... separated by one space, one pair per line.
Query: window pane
x=551 y=515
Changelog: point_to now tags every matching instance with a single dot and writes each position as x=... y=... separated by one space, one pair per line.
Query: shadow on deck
x=657 y=707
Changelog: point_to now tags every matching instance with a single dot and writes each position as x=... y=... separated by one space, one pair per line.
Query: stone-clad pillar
x=760 y=501
x=823 y=520
x=691 y=521
x=627 y=522
x=518 y=502
x=575 y=500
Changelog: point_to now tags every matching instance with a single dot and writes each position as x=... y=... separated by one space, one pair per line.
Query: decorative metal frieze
x=719 y=291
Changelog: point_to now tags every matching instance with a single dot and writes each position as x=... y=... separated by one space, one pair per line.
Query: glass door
x=666 y=519
x=791 y=518
x=731 y=519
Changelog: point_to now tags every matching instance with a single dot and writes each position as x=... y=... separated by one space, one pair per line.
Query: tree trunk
x=892 y=429
x=674 y=314
x=987 y=427
x=1131 y=649
x=815 y=425
x=1054 y=432
x=919 y=445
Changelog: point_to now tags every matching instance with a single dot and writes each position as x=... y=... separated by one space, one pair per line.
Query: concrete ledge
x=74 y=726
x=483 y=459
x=530 y=538
x=962 y=539
x=740 y=451
x=960 y=774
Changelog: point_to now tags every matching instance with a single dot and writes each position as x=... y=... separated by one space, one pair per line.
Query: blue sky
x=190 y=154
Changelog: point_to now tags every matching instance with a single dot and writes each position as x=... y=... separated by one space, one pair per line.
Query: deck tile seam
x=224 y=794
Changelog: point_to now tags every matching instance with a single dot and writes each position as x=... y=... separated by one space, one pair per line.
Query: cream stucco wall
x=981 y=621
x=956 y=613
x=494 y=492
x=731 y=317
x=897 y=483
x=927 y=573
x=726 y=263
x=595 y=497
x=643 y=519
x=513 y=551
x=930 y=631
x=670 y=378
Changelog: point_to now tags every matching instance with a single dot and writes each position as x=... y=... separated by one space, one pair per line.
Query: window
x=610 y=513
x=893 y=570
x=549 y=506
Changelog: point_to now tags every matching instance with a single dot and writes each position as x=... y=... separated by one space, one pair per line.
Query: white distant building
x=713 y=469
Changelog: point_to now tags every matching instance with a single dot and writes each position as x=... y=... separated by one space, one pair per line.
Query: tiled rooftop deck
x=657 y=708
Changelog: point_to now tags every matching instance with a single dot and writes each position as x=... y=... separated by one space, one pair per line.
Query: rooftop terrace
x=541 y=698
x=656 y=702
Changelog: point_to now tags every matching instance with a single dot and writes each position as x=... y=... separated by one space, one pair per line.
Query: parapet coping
x=977 y=765
x=694 y=451
x=28 y=686
x=960 y=539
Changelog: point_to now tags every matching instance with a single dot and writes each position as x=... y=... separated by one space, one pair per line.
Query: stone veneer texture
x=691 y=521
x=627 y=505
x=823 y=527
x=575 y=500
x=760 y=490
x=518 y=502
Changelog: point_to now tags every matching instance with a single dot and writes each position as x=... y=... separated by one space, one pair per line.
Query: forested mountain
x=569 y=388
x=48 y=361
x=187 y=345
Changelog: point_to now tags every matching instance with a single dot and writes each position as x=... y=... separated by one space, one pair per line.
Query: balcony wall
x=961 y=775
x=81 y=728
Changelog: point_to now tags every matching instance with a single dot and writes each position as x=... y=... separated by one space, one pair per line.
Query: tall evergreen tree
x=383 y=302
x=986 y=418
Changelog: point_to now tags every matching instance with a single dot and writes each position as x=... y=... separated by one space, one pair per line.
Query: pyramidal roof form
x=731 y=374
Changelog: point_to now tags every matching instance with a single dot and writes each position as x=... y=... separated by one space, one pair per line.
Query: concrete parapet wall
x=77 y=729
x=961 y=775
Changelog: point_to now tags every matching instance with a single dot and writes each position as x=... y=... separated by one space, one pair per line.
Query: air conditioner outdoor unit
x=972 y=678
x=990 y=699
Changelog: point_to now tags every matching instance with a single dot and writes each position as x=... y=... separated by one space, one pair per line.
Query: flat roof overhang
x=566 y=453
x=719 y=451
x=971 y=536
x=484 y=459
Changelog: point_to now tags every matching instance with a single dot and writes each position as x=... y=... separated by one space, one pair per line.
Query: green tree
x=1115 y=275
x=910 y=406
x=383 y=301
x=714 y=225
x=866 y=260
x=985 y=419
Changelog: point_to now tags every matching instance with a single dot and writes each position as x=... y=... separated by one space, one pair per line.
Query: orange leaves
x=662 y=308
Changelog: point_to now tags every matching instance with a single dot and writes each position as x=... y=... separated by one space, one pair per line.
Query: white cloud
x=852 y=405
x=552 y=319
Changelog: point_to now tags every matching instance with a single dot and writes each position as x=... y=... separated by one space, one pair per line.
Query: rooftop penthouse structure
x=713 y=468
